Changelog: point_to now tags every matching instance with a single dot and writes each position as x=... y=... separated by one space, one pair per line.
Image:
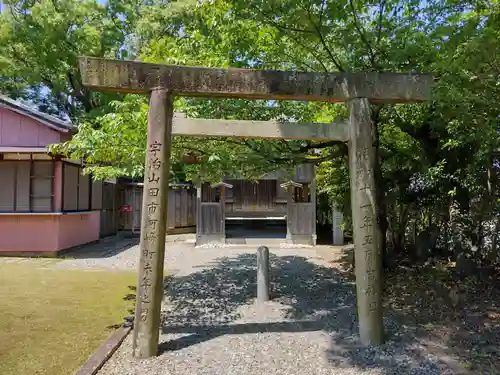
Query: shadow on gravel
x=204 y=305
x=104 y=248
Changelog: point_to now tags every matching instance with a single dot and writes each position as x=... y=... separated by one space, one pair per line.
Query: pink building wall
x=46 y=234
x=28 y=233
x=36 y=233
x=23 y=131
x=76 y=229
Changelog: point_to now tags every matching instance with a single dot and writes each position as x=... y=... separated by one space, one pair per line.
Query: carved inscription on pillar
x=153 y=225
x=366 y=233
x=366 y=227
x=150 y=235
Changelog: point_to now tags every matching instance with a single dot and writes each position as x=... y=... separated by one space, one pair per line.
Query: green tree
x=40 y=42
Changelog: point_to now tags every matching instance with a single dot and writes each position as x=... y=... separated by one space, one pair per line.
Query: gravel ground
x=212 y=324
x=122 y=254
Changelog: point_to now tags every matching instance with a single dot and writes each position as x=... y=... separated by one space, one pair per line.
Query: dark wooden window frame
x=77 y=189
x=302 y=194
x=31 y=162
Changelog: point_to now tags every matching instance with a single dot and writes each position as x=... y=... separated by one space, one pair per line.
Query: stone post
x=290 y=190
x=153 y=225
x=262 y=274
x=337 y=221
x=314 y=207
x=367 y=239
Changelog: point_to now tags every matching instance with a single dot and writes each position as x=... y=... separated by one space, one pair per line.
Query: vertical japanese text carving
x=365 y=226
x=150 y=235
x=153 y=224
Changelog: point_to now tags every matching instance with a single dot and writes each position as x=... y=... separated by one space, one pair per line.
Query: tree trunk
x=403 y=222
x=494 y=245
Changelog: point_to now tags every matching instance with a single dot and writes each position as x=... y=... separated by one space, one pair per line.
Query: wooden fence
x=181 y=208
x=181 y=215
x=108 y=210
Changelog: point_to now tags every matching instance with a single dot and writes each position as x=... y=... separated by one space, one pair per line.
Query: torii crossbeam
x=163 y=82
x=141 y=78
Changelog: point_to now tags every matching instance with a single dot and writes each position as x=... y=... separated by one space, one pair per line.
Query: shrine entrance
x=255 y=213
x=239 y=211
x=163 y=82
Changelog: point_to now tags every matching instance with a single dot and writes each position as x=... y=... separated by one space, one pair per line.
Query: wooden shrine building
x=274 y=198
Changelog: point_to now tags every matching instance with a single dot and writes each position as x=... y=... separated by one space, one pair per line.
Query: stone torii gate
x=163 y=82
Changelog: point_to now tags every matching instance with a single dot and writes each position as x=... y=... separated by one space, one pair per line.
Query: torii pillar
x=366 y=234
x=153 y=224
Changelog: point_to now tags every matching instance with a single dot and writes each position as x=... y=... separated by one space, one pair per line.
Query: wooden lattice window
x=78 y=190
x=26 y=185
x=302 y=194
x=41 y=189
x=210 y=194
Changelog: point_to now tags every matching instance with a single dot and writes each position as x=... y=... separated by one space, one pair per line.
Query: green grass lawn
x=51 y=320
